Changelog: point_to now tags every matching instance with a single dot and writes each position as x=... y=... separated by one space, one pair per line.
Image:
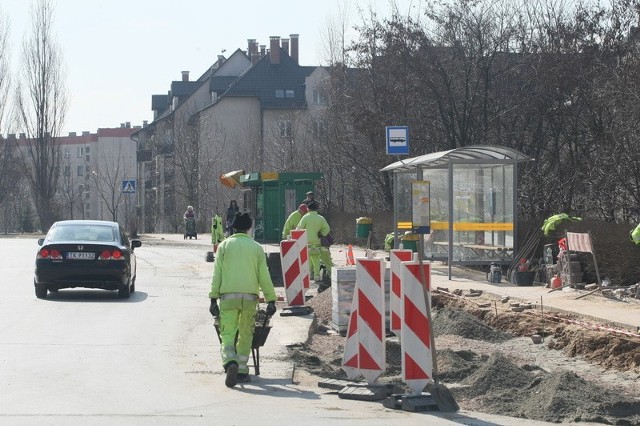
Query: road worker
x=316 y=225
x=293 y=220
x=239 y=274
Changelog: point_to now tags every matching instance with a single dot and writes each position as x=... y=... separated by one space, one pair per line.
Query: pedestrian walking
x=231 y=212
x=239 y=274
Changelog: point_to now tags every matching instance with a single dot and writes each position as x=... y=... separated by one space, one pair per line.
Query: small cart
x=260 y=334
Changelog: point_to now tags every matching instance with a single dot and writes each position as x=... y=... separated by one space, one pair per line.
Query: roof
x=159 y=102
x=184 y=88
x=475 y=153
x=264 y=78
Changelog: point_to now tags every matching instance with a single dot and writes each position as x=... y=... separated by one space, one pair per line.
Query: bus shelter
x=472 y=203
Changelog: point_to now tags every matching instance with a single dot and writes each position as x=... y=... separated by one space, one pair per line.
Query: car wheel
x=41 y=291
x=124 y=292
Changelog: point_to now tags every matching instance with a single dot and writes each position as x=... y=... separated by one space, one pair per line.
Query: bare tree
x=4 y=68
x=8 y=169
x=42 y=105
x=106 y=180
x=71 y=191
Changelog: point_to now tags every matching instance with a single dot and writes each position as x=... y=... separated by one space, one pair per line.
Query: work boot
x=232 y=374
x=244 y=378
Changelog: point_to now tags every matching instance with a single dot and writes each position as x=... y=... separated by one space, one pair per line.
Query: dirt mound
x=454 y=366
x=461 y=323
x=563 y=397
x=489 y=370
x=496 y=375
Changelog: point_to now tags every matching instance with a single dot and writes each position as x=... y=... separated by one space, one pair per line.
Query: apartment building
x=97 y=177
x=254 y=111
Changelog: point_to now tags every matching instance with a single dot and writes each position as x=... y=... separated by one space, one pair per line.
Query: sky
x=118 y=53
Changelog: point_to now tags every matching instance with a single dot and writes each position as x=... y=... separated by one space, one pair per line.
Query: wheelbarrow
x=260 y=334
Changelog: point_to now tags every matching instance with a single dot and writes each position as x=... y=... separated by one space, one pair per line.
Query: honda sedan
x=88 y=254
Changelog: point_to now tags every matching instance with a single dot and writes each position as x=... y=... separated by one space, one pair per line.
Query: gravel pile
x=461 y=323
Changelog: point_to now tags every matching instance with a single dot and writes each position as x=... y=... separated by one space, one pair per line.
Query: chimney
x=263 y=50
x=86 y=133
x=285 y=45
x=145 y=123
x=23 y=135
x=294 y=47
x=274 y=50
x=252 y=50
x=72 y=134
x=127 y=124
x=122 y=125
x=185 y=75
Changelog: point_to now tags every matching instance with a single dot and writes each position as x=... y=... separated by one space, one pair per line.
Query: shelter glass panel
x=482 y=213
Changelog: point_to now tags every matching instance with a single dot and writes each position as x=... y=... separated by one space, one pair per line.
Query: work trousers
x=319 y=255
x=237 y=318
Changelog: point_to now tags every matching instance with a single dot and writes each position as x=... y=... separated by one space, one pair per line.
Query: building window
x=80 y=170
x=67 y=171
x=87 y=207
x=286 y=129
x=318 y=99
x=289 y=93
x=87 y=158
x=320 y=129
x=80 y=151
x=86 y=149
x=279 y=93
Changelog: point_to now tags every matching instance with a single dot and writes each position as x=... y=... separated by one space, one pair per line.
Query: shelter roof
x=476 y=153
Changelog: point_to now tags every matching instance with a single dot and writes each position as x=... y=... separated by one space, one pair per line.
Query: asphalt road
x=87 y=357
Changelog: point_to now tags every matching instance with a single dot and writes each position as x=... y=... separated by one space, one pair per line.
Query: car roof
x=86 y=222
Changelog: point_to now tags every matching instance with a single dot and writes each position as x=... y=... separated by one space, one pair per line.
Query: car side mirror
x=40 y=241
x=135 y=243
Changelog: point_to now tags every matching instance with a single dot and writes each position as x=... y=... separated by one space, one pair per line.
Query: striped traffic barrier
x=371 y=318
x=350 y=363
x=290 y=260
x=397 y=256
x=417 y=354
x=300 y=235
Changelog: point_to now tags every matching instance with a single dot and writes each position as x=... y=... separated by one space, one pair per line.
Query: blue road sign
x=397 y=140
x=129 y=186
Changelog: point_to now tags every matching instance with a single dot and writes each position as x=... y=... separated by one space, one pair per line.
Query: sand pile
x=461 y=323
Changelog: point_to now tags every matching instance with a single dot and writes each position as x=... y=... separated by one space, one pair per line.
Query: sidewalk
x=595 y=307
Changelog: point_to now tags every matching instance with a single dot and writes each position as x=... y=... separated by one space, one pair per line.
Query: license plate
x=81 y=255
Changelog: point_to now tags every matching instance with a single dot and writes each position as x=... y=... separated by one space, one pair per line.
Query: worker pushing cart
x=239 y=274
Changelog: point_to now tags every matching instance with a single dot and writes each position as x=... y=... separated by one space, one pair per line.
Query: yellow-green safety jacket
x=291 y=223
x=240 y=266
x=314 y=223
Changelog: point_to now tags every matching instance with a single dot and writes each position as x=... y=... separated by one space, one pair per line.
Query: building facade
x=254 y=111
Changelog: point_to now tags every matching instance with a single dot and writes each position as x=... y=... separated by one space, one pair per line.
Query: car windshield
x=98 y=233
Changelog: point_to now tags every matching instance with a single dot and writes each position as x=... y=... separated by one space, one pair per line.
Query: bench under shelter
x=474 y=188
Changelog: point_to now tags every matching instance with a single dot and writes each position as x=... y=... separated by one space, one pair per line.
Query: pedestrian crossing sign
x=129 y=186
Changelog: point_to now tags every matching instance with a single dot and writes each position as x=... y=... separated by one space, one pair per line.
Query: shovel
x=441 y=394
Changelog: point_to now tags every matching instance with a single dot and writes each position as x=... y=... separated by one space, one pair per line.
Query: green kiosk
x=270 y=197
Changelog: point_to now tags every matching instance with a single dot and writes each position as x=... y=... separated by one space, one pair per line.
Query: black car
x=86 y=253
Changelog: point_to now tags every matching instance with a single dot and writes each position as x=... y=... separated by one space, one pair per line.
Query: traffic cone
x=351 y=261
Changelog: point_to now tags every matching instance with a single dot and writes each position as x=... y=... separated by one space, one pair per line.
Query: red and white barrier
x=395 y=299
x=350 y=363
x=300 y=235
x=364 y=352
x=291 y=274
x=417 y=353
